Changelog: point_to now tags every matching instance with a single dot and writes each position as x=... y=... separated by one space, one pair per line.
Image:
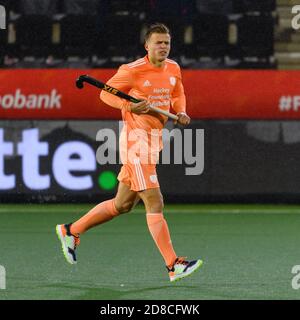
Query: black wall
x=244 y=161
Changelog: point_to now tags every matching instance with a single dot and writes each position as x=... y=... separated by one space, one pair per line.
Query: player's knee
x=157 y=207
x=124 y=207
x=156 y=204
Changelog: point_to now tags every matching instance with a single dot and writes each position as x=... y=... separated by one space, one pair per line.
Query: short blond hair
x=156 y=28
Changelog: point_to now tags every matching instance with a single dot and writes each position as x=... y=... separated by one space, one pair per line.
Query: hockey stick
x=116 y=92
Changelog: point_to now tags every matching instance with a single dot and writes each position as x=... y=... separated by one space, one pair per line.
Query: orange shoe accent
x=178 y=260
x=64 y=233
x=181 y=260
x=101 y=213
x=77 y=241
x=160 y=233
x=63 y=230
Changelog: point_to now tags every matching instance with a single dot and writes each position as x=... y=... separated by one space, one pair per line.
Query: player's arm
x=123 y=80
x=179 y=102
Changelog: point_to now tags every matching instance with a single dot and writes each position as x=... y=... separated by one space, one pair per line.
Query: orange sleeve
x=178 y=96
x=122 y=81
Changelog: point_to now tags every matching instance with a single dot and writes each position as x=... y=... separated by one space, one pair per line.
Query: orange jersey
x=162 y=87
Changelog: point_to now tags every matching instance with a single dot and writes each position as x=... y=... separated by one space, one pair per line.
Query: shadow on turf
x=107 y=294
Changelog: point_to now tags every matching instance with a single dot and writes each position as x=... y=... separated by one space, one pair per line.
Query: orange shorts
x=139 y=176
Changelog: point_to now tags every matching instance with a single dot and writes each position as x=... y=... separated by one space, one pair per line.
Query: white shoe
x=183 y=268
x=68 y=241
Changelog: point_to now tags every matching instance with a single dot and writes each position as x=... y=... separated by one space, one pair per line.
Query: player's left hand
x=183 y=119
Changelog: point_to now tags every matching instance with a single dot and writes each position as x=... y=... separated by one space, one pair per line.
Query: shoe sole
x=184 y=275
x=63 y=244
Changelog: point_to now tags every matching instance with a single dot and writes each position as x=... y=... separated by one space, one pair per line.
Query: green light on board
x=107 y=180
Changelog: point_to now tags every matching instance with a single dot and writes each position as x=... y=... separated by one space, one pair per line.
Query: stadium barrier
x=56 y=161
x=229 y=94
x=243 y=146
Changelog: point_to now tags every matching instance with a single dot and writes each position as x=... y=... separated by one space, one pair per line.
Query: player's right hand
x=140 y=107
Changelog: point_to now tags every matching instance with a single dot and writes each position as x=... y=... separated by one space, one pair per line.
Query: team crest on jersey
x=153 y=178
x=147 y=83
x=173 y=81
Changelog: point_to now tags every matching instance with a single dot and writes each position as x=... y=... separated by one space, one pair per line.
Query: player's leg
x=157 y=224
x=69 y=234
x=177 y=267
x=105 y=211
x=126 y=199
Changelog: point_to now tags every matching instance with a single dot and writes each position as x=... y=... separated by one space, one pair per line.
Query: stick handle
x=164 y=112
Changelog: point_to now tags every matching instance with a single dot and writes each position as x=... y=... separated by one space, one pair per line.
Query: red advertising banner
x=52 y=94
x=229 y=94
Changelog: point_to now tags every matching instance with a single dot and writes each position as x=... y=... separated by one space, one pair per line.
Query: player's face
x=158 y=46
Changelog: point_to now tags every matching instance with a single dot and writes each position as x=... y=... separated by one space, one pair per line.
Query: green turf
x=248 y=253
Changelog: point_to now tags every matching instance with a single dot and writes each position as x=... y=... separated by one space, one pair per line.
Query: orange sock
x=160 y=233
x=103 y=212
